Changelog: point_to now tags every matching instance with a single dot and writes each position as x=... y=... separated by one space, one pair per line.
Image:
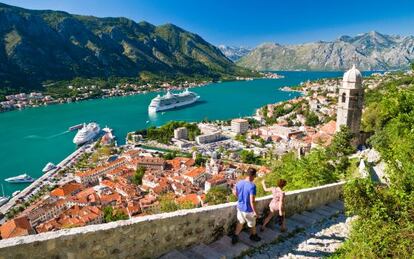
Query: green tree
x=341 y=143
x=311 y=119
x=170 y=155
x=200 y=160
x=241 y=138
x=168 y=204
x=249 y=157
x=111 y=214
x=217 y=195
x=139 y=174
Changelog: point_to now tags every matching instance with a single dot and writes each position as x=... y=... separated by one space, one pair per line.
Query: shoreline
x=132 y=93
x=36 y=185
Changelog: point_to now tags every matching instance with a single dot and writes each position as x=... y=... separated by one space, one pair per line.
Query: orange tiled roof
x=329 y=128
x=15 y=227
x=194 y=172
x=178 y=161
x=151 y=160
x=66 y=189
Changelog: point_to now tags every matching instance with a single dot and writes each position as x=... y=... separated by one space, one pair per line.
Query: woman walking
x=276 y=205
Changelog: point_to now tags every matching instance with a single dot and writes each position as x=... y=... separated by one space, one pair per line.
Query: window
x=343 y=97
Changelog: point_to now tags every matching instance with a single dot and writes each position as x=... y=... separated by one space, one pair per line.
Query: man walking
x=245 y=192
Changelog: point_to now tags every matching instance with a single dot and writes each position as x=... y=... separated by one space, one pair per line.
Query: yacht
x=75 y=127
x=171 y=101
x=23 y=178
x=49 y=166
x=86 y=133
x=16 y=192
x=4 y=198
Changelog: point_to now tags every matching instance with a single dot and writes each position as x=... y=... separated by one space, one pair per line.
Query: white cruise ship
x=86 y=133
x=171 y=101
x=23 y=178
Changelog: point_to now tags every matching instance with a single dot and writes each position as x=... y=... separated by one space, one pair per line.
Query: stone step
x=174 y=254
x=324 y=213
x=338 y=205
x=202 y=252
x=306 y=222
x=292 y=225
x=245 y=238
x=191 y=254
x=332 y=210
x=313 y=215
x=226 y=249
x=269 y=235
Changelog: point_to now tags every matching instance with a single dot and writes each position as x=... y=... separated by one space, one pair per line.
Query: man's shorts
x=246 y=217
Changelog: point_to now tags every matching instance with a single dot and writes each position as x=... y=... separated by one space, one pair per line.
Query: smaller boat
x=75 y=127
x=23 y=178
x=4 y=198
x=15 y=193
x=49 y=166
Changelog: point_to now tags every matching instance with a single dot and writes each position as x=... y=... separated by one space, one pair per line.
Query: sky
x=251 y=22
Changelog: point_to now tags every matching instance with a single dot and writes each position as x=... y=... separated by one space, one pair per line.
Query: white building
x=181 y=133
x=239 y=126
x=208 y=138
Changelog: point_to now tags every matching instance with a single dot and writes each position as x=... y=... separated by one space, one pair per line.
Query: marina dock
x=41 y=181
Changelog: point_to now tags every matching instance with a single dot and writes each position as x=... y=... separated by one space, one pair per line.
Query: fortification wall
x=153 y=235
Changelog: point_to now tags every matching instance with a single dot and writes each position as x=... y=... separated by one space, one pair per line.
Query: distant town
x=91 y=90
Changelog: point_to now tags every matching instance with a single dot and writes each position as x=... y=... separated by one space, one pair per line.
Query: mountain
x=52 y=45
x=234 y=53
x=373 y=51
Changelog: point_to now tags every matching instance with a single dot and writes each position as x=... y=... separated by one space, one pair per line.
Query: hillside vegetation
x=385 y=227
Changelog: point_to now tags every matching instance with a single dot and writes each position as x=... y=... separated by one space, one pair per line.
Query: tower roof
x=352 y=76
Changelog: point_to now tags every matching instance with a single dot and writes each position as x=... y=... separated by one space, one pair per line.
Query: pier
x=38 y=183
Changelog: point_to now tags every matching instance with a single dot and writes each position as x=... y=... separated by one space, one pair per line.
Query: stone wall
x=153 y=235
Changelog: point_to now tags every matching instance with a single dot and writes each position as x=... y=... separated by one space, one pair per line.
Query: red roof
x=16 y=227
x=194 y=172
x=329 y=128
x=67 y=189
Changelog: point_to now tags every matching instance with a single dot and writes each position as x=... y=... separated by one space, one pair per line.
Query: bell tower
x=350 y=101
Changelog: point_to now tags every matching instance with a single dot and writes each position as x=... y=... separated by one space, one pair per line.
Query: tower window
x=343 y=97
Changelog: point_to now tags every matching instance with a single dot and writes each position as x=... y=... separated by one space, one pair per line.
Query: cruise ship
x=23 y=178
x=86 y=133
x=171 y=101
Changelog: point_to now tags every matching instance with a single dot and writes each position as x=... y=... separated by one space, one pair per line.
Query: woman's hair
x=281 y=183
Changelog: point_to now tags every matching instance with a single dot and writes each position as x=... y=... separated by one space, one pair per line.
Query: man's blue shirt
x=244 y=190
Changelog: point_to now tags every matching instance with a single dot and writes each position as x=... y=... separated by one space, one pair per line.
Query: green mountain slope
x=51 y=45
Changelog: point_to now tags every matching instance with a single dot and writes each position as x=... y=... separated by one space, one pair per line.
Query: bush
x=218 y=195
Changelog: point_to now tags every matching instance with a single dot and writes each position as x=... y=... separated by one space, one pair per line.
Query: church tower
x=350 y=101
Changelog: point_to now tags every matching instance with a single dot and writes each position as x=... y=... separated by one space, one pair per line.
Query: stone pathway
x=310 y=234
x=317 y=241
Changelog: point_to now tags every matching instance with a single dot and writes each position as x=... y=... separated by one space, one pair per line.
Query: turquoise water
x=35 y=136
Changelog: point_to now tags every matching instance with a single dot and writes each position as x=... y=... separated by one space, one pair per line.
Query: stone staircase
x=223 y=248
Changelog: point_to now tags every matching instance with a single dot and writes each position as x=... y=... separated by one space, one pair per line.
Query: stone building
x=239 y=126
x=181 y=133
x=350 y=103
